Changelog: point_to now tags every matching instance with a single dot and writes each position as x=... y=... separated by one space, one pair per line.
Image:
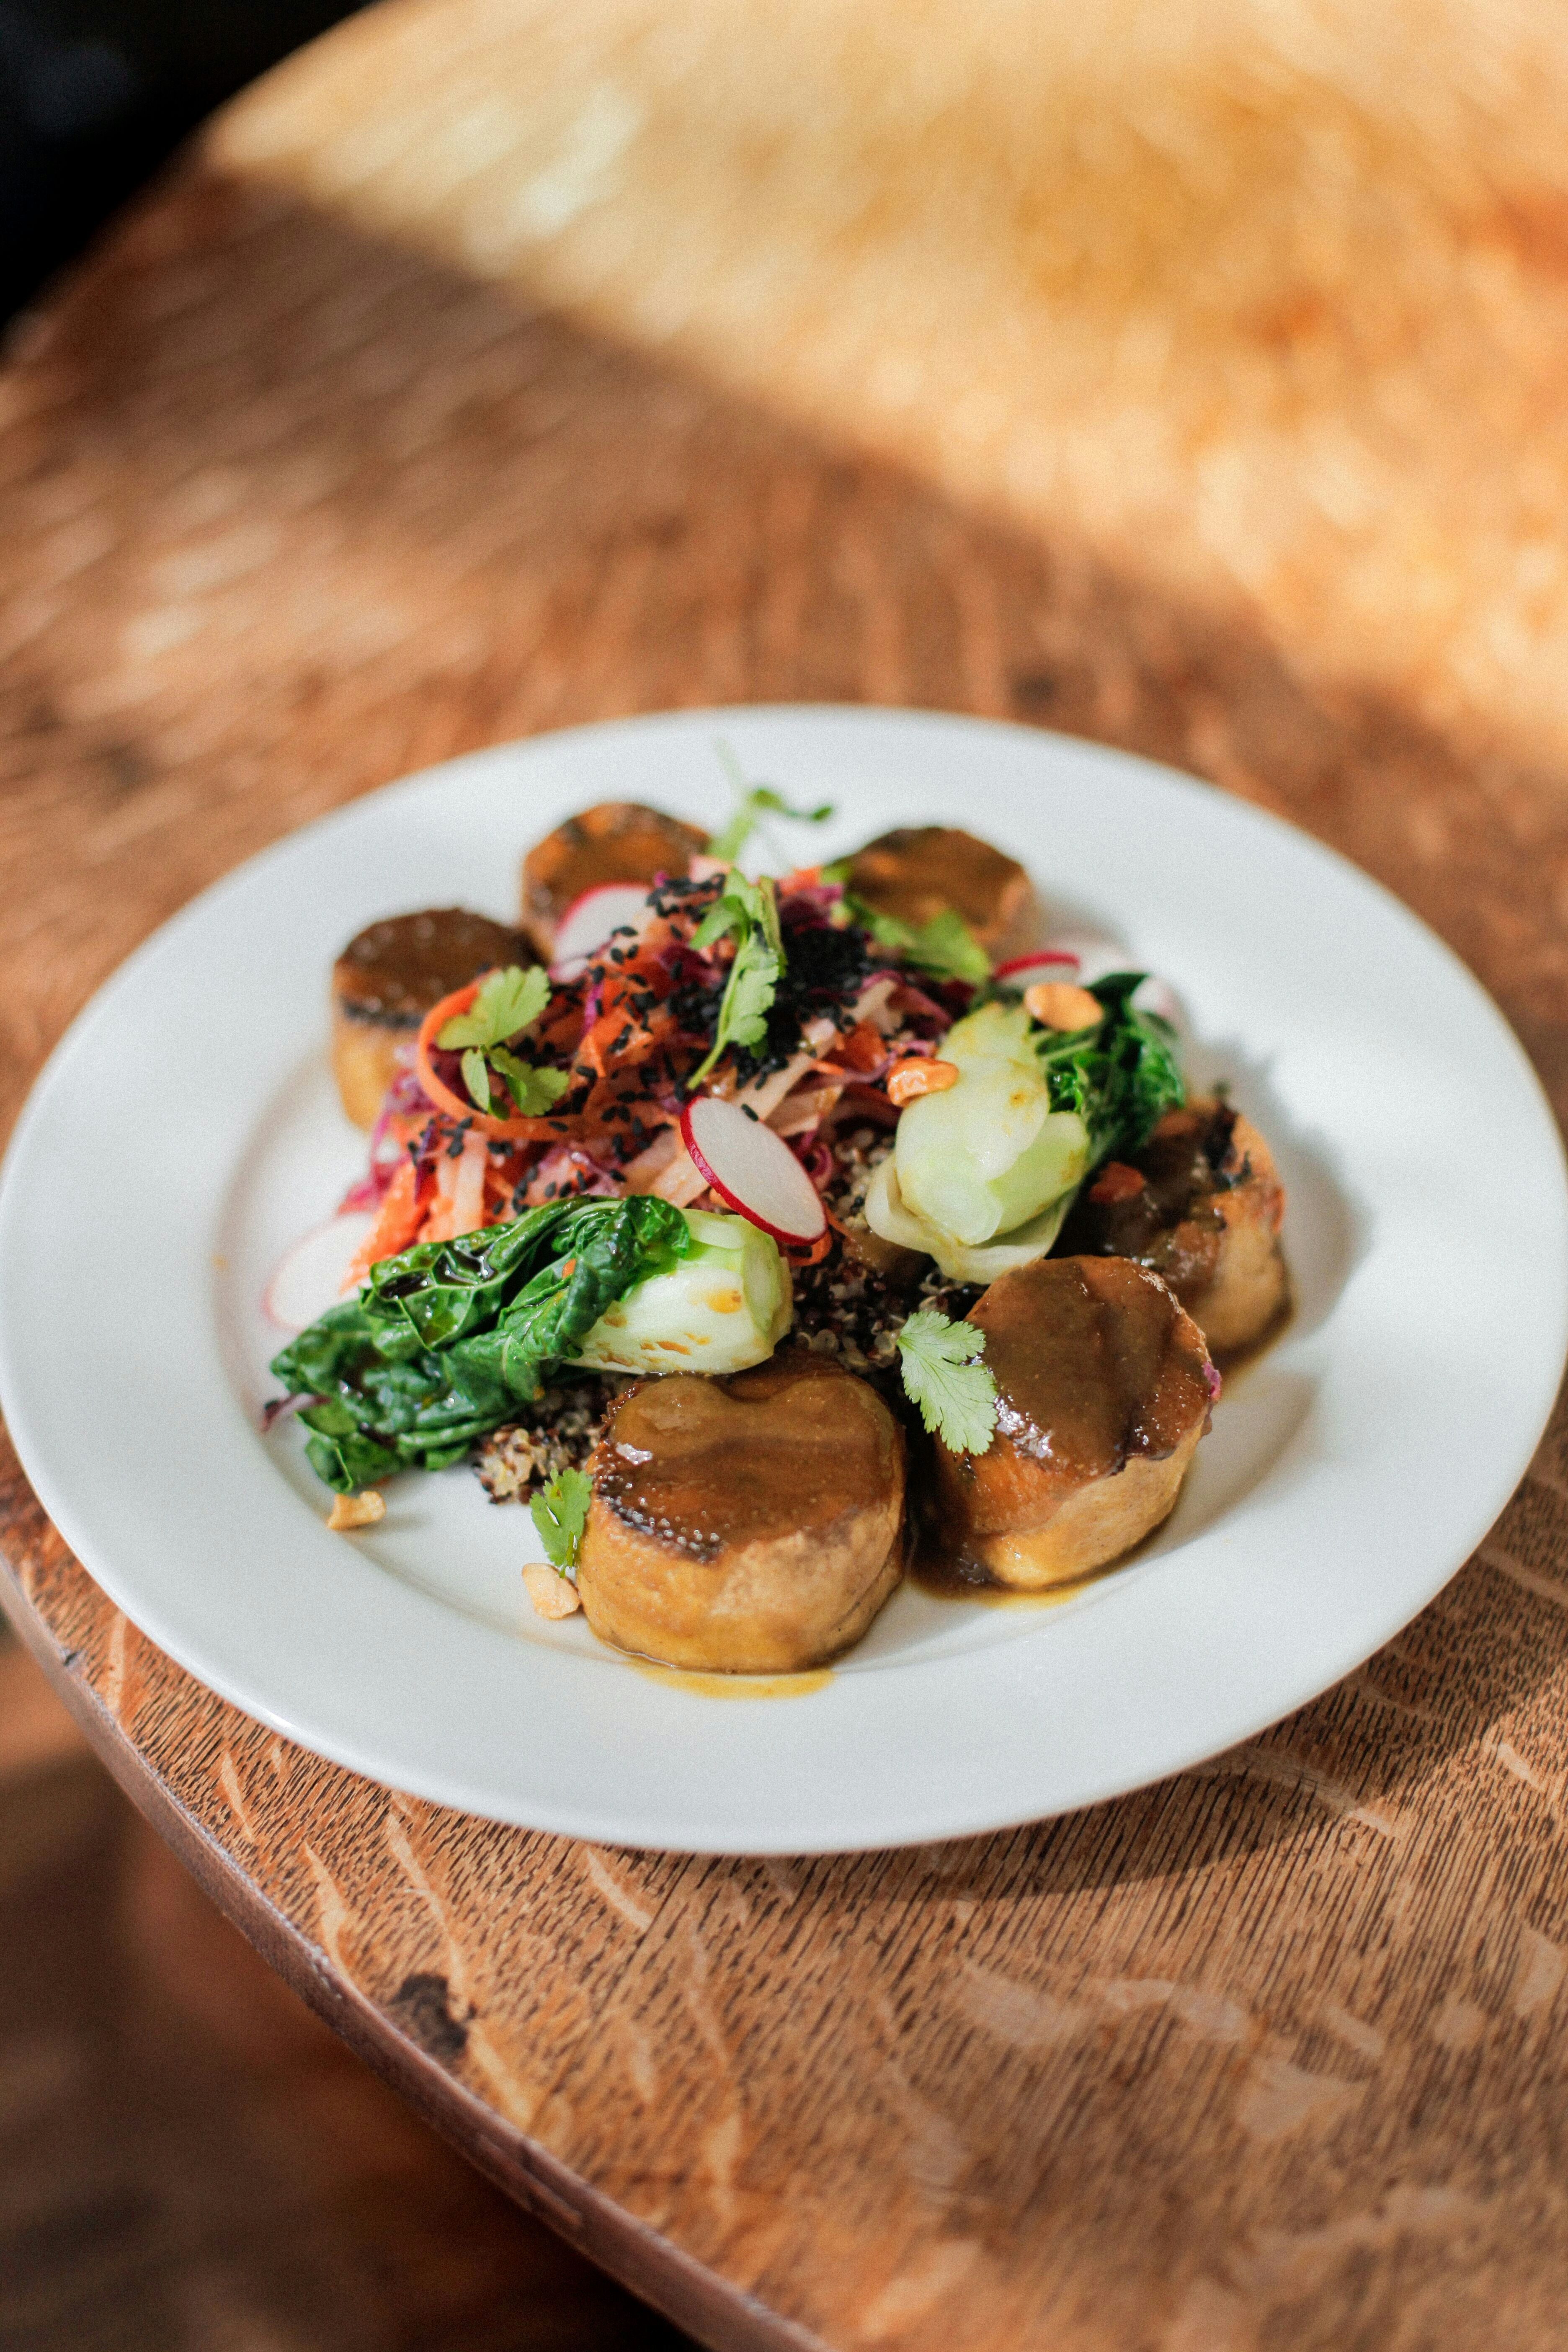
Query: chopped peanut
x=921 y=1075
x=1116 y=1181
x=356 y=1511
x=552 y=1594
x=1058 y=1004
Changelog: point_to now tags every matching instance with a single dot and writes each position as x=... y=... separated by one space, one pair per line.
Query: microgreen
x=944 y=1377
x=752 y=801
x=534 y=1091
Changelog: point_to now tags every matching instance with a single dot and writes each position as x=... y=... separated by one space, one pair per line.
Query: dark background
x=94 y=94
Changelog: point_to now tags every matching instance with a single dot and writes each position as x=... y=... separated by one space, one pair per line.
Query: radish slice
x=309 y=1278
x=590 y=920
x=1040 y=963
x=753 y=1171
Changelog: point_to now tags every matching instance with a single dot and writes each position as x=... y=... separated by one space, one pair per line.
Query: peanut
x=921 y=1075
x=1058 y=1004
x=352 y=1511
x=552 y=1595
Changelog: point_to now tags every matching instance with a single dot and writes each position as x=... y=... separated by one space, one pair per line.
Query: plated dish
x=1349 y=1469
x=771 y=1233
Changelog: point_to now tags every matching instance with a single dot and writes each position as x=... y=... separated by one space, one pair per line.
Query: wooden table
x=1271 y=2055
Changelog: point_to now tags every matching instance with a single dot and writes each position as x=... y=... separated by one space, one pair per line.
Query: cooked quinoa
x=556 y=1434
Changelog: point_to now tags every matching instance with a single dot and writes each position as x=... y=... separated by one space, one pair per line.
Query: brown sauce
x=394 y=972
x=1095 y=1367
x=810 y=1678
x=1092 y=1364
x=919 y=871
x=617 y=841
x=703 y=1466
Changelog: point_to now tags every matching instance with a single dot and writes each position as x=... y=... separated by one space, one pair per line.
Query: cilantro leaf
x=750 y=803
x=560 y=1513
x=945 y=947
x=476 y=1077
x=507 y=1002
x=749 y=909
x=753 y=978
x=534 y=1091
x=945 y=1378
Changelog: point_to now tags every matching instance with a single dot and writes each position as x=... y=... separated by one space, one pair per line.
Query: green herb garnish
x=560 y=1513
x=508 y=1003
x=945 y=947
x=752 y=801
x=534 y=1090
x=747 y=911
x=940 y=1360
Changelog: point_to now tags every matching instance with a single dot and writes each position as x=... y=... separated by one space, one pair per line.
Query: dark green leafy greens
x=747 y=911
x=560 y=1514
x=1121 y=1077
x=448 y=1339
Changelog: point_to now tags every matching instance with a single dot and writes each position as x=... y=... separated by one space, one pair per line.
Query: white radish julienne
x=752 y=1170
x=590 y=919
x=308 y=1278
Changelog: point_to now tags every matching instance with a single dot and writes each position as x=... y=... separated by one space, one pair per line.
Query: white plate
x=186 y=1130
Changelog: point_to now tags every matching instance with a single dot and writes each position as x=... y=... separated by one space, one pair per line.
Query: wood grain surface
x=1269 y=2055
x=189 y=2160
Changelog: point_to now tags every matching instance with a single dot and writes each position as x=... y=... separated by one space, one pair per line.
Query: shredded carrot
x=398 y=1219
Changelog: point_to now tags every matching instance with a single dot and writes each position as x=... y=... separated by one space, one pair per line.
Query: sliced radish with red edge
x=308 y=1278
x=589 y=921
x=752 y=1170
x=1040 y=963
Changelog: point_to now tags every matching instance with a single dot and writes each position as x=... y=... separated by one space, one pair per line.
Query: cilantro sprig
x=945 y=947
x=508 y=1003
x=945 y=1378
x=747 y=911
x=753 y=802
x=560 y=1514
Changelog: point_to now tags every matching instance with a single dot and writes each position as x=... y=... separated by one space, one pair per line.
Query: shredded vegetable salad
x=530 y=1086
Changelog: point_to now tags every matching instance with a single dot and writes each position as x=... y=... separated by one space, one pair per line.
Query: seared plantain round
x=921 y=871
x=386 y=980
x=1104 y=1388
x=1200 y=1205
x=614 y=841
x=752 y=1525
